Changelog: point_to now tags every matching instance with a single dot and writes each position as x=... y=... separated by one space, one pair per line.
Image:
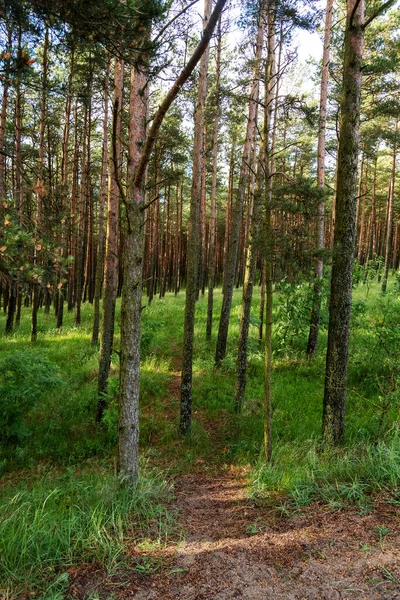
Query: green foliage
x=24 y=378
x=292 y=315
x=150 y=327
x=63 y=520
x=19 y=246
x=62 y=419
x=306 y=473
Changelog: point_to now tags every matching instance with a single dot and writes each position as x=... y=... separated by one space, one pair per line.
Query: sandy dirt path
x=233 y=549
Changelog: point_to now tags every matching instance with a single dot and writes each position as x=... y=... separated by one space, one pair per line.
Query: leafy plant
x=24 y=378
x=292 y=314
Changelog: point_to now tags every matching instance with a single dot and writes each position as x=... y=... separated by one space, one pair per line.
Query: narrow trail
x=233 y=549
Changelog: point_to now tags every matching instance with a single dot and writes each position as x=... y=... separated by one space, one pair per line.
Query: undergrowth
x=57 y=521
x=65 y=506
x=302 y=474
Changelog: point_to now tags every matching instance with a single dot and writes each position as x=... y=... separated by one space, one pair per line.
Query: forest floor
x=210 y=519
x=232 y=548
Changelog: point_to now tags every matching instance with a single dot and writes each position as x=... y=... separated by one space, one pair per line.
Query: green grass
x=303 y=473
x=57 y=463
x=55 y=521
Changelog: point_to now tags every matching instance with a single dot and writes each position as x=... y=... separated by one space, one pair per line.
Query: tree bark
x=251 y=249
x=362 y=233
x=128 y=421
x=40 y=189
x=316 y=306
x=111 y=260
x=194 y=232
x=389 y=234
x=237 y=213
x=334 y=406
x=211 y=249
x=128 y=450
x=18 y=139
x=80 y=233
x=103 y=200
x=270 y=82
x=3 y=119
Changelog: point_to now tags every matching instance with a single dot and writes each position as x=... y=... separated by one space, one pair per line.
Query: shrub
x=24 y=378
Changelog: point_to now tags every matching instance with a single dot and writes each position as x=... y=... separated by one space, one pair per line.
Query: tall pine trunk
x=270 y=82
x=103 y=200
x=111 y=260
x=316 y=306
x=140 y=146
x=211 y=248
x=131 y=307
x=193 y=243
x=334 y=406
x=237 y=213
x=40 y=189
x=64 y=193
x=251 y=251
x=389 y=234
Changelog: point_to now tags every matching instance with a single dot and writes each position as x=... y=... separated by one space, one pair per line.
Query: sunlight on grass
x=58 y=521
x=56 y=431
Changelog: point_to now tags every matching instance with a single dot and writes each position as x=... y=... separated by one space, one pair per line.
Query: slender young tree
x=237 y=213
x=389 y=234
x=211 y=248
x=194 y=241
x=252 y=242
x=316 y=306
x=64 y=185
x=111 y=261
x=103 y=200
x=40 y=188
x=3 y=116
x=270 y=83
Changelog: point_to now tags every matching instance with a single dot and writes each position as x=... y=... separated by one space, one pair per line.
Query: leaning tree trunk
x=248 y=283
x=334 y=406
x=111 y=261
x=251 y=250
x=193 y=243
x=140 y=146
x=316 y=306
x=237 y=212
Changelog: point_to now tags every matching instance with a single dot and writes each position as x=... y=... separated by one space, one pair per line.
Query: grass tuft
x=58 y=521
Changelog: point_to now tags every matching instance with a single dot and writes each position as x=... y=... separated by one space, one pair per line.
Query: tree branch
x=380 y=10
x=174 y=91
x=159 y=34
x=353 y=12
x=149 y=203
